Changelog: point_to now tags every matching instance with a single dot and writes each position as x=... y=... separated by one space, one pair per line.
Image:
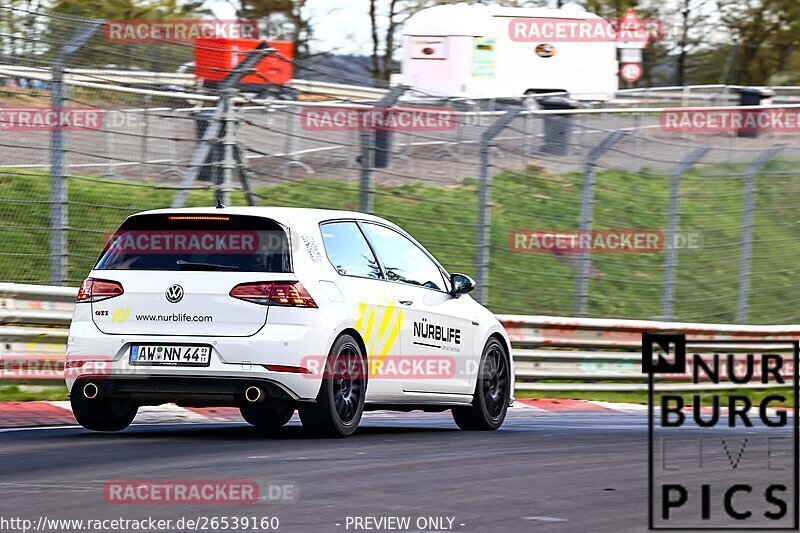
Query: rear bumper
x=190 y=391
x=232 y=358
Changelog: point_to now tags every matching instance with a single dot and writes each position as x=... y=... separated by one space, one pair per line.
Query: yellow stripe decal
x=393 y=333
x=369 y=339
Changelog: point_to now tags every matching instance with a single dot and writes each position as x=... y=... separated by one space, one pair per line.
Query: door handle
x=406 y=302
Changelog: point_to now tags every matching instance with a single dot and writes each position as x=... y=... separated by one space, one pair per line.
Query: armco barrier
x=33 y=330
x=550 y=353
x=185 y=80
x=587 y=353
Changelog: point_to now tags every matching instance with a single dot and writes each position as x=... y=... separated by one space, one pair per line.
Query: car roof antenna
x=220 y=205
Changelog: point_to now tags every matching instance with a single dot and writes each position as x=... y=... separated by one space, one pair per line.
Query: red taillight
x=257 y=293
x=284 y=293
x=291 y=295
x=198 y=217
x=95 y=290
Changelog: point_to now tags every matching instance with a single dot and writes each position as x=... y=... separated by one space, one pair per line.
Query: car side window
x=348 y=251
x=402 y=259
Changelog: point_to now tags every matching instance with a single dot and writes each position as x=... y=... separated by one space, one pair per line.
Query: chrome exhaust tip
x=253 y=394
x=91 y=391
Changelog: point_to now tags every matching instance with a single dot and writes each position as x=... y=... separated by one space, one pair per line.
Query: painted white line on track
x=544 y=519
x=622 y=407
x=137 y=424
x=29 y=428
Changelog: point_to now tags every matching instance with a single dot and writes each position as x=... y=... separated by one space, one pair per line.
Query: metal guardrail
x=550 y=353
x=338 y=90
x=187 y=80
x=40 y=293
x=180 y=79
x=587 y=353
x=127 y=77
x=33 y=330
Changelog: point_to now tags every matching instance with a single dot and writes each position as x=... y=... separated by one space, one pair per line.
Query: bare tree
x=373 y=21
x=386 y=19
x=692 y=31
x=766 y=31
x=293 y=10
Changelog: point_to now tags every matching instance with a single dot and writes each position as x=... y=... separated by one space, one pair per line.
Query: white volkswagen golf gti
x=277 y=310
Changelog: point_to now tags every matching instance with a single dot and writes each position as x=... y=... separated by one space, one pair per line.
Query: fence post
x=747 y=229
x=637 y=138
x=673 y=222
x=367 y=157
x=111 y=153
x=365 y=204
x=587 y=208
x=59 y=222
x=483 y=237
x=228 y=147
x=145 y=139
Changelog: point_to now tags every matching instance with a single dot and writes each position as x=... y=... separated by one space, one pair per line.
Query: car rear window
x=180 y=241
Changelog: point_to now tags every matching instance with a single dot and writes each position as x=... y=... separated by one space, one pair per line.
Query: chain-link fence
x=594 y=212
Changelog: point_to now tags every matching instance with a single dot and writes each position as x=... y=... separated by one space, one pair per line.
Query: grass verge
x=443 y=218
x=26 y=393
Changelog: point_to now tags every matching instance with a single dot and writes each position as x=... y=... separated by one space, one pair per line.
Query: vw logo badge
x=174 y=293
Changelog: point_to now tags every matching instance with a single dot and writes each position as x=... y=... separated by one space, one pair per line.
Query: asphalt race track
x=568 y=471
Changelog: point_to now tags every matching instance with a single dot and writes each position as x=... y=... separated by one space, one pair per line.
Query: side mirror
x=462 y=284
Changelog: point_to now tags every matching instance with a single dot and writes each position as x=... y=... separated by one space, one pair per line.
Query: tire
x=340 y=402
x=266 y=418
x=100 y=414
x=492 y=391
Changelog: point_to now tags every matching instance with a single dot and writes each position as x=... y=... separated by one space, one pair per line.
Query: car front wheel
x=492 y=391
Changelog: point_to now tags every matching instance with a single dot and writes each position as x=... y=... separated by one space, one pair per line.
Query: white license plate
x=170 y=355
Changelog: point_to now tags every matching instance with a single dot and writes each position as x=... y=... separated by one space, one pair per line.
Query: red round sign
x=631 y=71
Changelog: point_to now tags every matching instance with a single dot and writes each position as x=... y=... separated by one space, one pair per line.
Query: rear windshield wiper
x=187 y=265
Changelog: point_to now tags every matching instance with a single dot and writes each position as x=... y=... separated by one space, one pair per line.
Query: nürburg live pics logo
x=722 y=433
